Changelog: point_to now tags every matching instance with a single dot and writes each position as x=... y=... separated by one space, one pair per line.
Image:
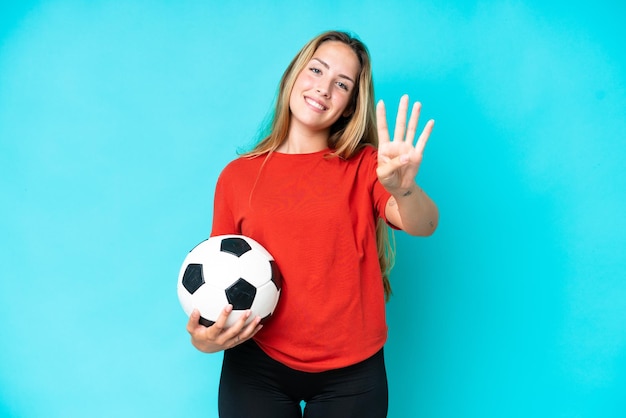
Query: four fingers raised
x=402 y=131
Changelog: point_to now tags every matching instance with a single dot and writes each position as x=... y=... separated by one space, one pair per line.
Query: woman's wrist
x=403 y=193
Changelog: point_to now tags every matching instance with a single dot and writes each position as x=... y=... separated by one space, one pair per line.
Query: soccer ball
x=229 y=269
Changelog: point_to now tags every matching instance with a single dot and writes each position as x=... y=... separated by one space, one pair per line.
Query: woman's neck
x=304 y=142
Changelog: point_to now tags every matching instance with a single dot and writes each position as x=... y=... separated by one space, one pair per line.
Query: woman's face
x=323 y=89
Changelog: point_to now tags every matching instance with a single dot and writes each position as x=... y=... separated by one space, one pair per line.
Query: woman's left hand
x=398 y=159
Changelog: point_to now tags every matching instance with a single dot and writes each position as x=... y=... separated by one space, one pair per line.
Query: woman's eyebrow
x=328 y=67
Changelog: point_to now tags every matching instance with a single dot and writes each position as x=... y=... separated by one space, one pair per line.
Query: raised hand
x=398 y=159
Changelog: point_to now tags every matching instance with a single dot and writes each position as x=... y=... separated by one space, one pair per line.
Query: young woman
x=319 y=192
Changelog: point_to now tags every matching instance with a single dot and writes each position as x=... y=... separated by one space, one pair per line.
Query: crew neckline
x=303 y=154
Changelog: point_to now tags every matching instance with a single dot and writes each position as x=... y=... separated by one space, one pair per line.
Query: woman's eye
x=342 y=85
x=315 y=70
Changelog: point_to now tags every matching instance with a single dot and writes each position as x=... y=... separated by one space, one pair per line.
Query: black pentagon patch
x=264 y=320
x=235 y=246
x=277 y=278
x=206 y=322
x=193 y=278
x=241 y=294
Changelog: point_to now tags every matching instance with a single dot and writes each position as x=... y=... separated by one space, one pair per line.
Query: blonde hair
x=348 y=135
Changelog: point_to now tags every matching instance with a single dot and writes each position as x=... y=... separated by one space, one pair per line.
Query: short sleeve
x=223 y=214
x=380 y=195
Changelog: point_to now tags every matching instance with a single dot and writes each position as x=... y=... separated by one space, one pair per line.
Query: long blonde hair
x=348 y=135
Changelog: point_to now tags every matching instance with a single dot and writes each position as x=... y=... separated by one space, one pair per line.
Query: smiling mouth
x=315 y=104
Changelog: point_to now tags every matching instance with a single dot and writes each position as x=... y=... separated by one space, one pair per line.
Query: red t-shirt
x=317 y=216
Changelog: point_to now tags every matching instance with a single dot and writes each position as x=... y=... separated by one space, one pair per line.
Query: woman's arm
x=408 y=208
x=413 y=212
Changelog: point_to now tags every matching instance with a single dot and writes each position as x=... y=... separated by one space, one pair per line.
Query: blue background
x=116 y=118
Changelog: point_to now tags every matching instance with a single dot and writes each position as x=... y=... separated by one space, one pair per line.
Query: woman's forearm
x=413 y=211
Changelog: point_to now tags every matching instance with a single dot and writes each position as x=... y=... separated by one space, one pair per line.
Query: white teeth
x=315 y=104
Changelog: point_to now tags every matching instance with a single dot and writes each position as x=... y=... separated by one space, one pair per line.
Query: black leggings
x=253 y=385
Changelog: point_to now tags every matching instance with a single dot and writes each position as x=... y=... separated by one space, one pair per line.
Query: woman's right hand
x=217 y=338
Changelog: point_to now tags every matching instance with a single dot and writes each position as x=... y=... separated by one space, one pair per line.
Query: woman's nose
x=323 y=90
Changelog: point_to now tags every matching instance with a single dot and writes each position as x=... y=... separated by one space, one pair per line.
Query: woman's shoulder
x=240 y=168
x=364 y=161
x=245 y=161
x=366 y=153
